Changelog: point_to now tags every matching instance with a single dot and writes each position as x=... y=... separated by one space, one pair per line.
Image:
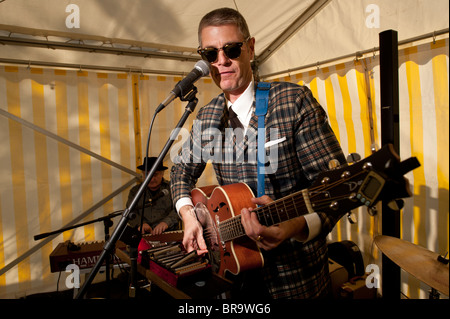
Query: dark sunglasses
x=231 y=50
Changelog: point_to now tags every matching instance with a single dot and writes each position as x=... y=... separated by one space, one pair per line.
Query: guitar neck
x=377 y=177
x=313 y=199
x=274 y=213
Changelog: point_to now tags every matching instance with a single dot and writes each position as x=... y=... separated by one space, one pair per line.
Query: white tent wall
x=74 y=124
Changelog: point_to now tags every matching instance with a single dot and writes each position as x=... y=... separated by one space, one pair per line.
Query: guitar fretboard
x=271 y=214
x=289 y=207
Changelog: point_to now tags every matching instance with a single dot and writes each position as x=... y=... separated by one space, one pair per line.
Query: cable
x=146 y=168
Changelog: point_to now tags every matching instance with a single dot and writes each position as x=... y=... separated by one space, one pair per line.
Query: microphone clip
x=189 y=95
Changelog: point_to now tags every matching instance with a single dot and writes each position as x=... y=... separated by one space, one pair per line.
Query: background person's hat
x=150 y=161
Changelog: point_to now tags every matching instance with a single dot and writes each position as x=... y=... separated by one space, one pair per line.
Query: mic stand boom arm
x=106 y=220
x=122 y=225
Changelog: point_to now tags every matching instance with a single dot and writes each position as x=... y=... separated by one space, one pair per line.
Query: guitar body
x=216 y=205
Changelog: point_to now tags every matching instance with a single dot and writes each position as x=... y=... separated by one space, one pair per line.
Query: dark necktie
x=236 y=125
x=234 y=121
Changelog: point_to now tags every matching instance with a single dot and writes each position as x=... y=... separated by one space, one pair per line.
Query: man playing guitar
x=294 y=252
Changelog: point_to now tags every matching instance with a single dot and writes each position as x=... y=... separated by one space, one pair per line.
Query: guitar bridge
x=219 y=232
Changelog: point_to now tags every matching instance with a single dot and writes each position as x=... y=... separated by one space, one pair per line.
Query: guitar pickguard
x=210 y=234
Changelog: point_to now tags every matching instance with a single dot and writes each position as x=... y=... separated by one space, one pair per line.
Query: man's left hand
x=270 y=237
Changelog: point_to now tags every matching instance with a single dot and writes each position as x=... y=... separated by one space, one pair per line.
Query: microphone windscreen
x=203 y=67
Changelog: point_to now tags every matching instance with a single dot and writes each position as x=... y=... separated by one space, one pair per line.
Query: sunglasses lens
x=233 y=51
x=210 y=55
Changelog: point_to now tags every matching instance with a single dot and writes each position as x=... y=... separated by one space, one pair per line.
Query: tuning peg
x=353 y=158
x=374 y=147
x=333 y=164
x=372 y=211
x=351 y=217
x=396 y=204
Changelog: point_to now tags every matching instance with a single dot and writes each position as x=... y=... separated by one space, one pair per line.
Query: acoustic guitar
x=364 y=183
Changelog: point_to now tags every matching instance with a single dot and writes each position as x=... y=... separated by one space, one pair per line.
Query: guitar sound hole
x=222 y=204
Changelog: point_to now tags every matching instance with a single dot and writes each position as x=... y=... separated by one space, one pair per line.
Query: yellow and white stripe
x=153 y=90
x=350 y=92
x=60 y=158
x=424 y=127
x=71 y=142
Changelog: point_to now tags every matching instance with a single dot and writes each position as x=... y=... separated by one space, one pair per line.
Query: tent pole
x=350 y=57
x=389 y=102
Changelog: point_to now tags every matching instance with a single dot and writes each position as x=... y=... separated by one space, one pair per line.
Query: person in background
x=159 y=213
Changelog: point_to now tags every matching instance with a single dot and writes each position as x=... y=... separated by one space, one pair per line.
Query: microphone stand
x=124 y=232
x=106 y=219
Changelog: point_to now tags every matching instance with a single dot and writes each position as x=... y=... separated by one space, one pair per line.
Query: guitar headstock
x=377 y=177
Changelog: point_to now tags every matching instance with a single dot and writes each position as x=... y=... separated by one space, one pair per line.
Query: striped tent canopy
x=80 y=82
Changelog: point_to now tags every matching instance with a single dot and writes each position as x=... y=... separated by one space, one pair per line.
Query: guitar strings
x=232 y=228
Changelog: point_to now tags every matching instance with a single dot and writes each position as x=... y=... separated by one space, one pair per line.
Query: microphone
x=201 y=68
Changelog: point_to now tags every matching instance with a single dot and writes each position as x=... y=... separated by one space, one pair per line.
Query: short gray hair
x=223 y=16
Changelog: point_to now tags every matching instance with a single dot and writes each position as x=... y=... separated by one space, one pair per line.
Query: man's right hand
x=193 y=231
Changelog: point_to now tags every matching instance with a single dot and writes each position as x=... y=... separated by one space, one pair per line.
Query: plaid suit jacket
x=307 y=144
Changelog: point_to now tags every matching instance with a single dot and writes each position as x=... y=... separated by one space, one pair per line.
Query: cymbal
x=416 y=260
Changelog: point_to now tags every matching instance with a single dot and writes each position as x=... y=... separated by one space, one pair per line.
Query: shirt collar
x=243 y=105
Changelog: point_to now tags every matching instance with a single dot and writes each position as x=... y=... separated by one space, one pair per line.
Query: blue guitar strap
x=262 y=101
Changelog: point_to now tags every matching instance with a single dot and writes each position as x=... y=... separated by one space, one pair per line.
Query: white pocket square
x=278 y=141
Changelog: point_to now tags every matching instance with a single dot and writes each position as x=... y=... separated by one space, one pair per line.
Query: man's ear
x=251 y=45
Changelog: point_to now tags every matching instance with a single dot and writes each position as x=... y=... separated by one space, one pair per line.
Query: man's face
x=232 y=75
x=156 y=180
